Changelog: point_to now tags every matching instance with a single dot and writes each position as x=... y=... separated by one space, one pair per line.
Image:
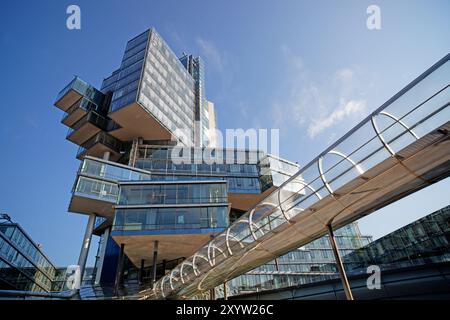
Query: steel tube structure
x=339 y=264
x=119 y=271
x=155 y=258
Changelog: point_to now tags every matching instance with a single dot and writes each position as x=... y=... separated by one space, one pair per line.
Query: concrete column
x=101 y=257
x=86 y=244
x=119 y=271
x=225 y=291
x=164 y=265
x=133 y=152
x=277 y=266
x=141 y=272
x=339 y=264
x=155 y=258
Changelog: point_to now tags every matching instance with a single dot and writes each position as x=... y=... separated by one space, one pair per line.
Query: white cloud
x=351 y=107
x=318 y=103
x=211 y=54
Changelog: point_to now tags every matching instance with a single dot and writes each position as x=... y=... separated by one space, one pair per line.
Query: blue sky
x=292 y=65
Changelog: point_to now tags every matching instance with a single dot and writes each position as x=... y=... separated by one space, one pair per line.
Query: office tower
x=23 y=265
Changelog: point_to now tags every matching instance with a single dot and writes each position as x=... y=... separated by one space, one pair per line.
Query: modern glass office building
x=23 y=265
x=152 y=180
x=424 y=241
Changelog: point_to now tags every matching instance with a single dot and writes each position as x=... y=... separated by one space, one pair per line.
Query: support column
x=119 y=271
x=339 y=264
x=155 y=257
x=212 y=294
x=86 y=244
x=101 y=258
x=164 y=265
x=141 y=271
x=133 y=152
x=225 y=291
x=277 y=266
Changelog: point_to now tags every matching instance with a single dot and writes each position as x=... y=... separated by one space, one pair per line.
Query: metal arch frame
x=304 y=186
x=340 y=154
x=185 y=263
x=250 y=223
x=210 y=246
x=227 y=236
x=227 y=239
x=250 y=218
x=171 y=278
x=193 y=261
x=281 y=207
x=162 y=286
x=397 y=120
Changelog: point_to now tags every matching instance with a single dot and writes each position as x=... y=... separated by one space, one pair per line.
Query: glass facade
x=98 y=179
x=165 y=206
x=109 y=171
x=199 y=160
x=424 y=241
x=195 y=67
x=22 y=264
x=248 y=182
x=96 y=189
x=101 y=138
x=84 y=104
x=83 y=89
x=274 y=171
x=125 y=81
x=167 y=90
x=91 y=117
x=150 y=219
x=173 y=193
x=109 y=83
x=239 y=167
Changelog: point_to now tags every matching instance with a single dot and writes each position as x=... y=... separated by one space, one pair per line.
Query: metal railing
x=68 y=88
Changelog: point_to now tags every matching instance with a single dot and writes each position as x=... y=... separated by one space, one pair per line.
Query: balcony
x=101 y=169
x=93 y=196
x=85 y=128
x=98 y=145
x=78 y=110
x=134 y=121
x=74 y=91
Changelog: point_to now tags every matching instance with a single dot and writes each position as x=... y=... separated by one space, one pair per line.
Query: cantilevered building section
x=151 y=211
